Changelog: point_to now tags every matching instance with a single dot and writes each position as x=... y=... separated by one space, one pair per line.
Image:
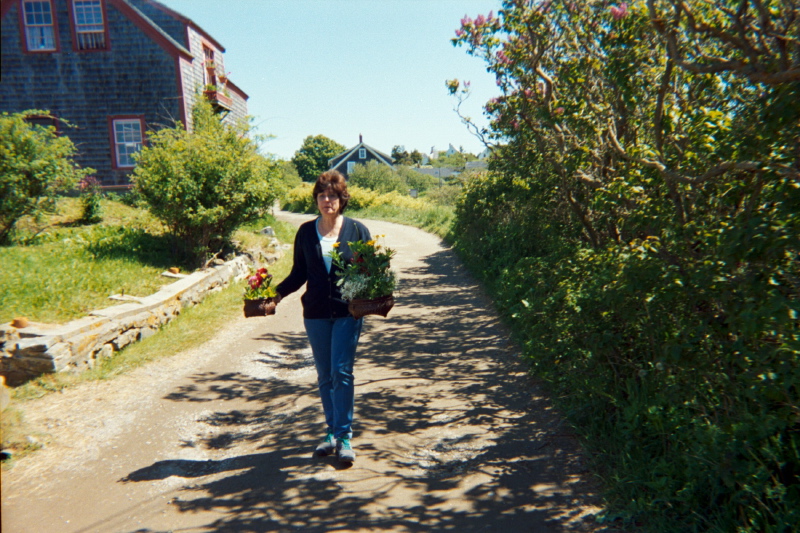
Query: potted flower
x=259 y=294
x=367 y=281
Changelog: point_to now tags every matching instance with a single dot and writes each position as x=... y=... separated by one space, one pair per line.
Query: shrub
x=300 y=199
x=35 y=166
x=378 y=177
x=204 y=184
x=640 y=229
x=90 y=200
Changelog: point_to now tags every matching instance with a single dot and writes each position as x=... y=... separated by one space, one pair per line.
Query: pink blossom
x=480 y=20
x=502 y=58
x=466 y=21
x=619 y=12
x=559 y=111
x=459 y=33
x=254 y=281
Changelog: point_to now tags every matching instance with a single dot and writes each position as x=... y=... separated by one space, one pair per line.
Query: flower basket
x=258 y=307
x=259 y=295
x=374 y=306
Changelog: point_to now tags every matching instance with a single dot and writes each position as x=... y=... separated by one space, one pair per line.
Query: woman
x=332 y=330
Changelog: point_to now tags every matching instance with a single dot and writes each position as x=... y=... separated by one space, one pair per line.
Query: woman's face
x=328 y=203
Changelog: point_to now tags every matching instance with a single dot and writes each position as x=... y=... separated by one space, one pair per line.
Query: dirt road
x=451 y=433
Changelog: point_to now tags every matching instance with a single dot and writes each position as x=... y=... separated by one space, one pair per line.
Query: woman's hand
x=269 y=308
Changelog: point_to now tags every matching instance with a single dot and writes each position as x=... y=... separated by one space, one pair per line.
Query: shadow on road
x=460 y=437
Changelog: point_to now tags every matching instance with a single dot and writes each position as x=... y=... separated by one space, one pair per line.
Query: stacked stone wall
x=29 y=352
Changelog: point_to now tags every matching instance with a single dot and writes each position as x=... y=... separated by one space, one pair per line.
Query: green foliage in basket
x=368 y=274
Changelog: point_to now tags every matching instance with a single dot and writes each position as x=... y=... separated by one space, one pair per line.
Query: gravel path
x=451 y=433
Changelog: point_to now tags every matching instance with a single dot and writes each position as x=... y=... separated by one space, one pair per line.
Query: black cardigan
x=322 y=299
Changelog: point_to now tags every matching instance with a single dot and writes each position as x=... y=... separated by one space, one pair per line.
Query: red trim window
x=127 y=137
x=39 y=25
x=89 y=28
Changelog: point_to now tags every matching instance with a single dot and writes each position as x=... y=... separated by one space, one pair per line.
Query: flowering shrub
x=368 y=274
x=640 y=231
x=259 y=285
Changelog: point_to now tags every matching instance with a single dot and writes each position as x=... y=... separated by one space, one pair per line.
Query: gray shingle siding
x=170 y=25
x=135 y=77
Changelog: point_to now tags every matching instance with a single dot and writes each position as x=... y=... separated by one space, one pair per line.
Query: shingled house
x=359 y=154
x=114 y=69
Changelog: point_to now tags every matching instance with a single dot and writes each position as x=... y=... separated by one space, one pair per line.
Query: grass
x=67 y=270
x=437 y=219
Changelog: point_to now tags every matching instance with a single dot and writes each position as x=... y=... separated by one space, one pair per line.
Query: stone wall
x=29 y=352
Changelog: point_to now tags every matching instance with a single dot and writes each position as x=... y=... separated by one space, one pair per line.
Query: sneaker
x=344 y=451
x=327 y=446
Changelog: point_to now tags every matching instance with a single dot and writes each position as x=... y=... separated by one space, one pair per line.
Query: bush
x=35 y=166
x=641 y=231
x=204 y=184
x=300 y=199
x=378 y=177
x=90 y=200
x=417 y=180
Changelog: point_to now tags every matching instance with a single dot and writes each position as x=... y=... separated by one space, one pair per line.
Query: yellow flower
x=370 y=243
x=336 y=245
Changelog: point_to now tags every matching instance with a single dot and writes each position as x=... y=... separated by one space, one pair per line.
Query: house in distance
x=360 y=154
x=112 y=70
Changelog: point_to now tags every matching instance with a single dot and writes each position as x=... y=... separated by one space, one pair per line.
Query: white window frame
x=362 y=153
x=39 y=31
x=351 y=165
x=126 y=141
x=89 y=35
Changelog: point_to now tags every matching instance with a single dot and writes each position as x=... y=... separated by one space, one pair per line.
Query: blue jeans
x=333 y=342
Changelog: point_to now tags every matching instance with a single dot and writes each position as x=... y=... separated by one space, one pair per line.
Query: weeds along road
x=451 y=433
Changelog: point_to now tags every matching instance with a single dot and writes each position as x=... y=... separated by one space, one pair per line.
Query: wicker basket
x=258 y=307
x=375 y=306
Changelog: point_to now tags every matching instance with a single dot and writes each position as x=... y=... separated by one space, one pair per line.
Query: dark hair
x=333 y=180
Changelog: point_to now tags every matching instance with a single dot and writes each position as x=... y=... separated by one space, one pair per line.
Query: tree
x=35 y=166
x=312 y=158
x=204 y=184
x=399 y=155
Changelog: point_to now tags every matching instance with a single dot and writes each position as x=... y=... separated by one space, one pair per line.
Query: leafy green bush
x=35 y=166
x=90 y=200
x=641 y=231
x=204 y=184
x=300 y=199
x=378 y=177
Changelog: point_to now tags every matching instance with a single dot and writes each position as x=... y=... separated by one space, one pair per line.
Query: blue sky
x=341 y=68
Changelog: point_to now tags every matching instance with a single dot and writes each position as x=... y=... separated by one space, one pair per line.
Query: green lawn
x=69 y=270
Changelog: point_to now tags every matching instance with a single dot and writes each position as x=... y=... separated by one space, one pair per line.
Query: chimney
x=360 y=139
